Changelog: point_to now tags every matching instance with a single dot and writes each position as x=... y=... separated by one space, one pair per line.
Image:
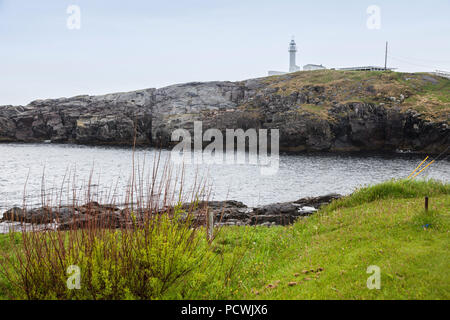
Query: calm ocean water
x=46 y=166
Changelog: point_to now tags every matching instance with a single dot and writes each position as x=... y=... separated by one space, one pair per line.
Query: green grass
x=392 y=231
x=383 y=225
x=429 y=94
x=392 y=189
x=5 y=245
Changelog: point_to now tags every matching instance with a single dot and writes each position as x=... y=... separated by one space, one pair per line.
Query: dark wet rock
x=278 y=213
x=36 y=216
x=76 y=222
x=94 y=208
x=110 y=220
x=318 y=202
x=64 y=214
x=228 y=213
x=225 y=213
x=14 y=214
x=42 y=215
x=226 y=210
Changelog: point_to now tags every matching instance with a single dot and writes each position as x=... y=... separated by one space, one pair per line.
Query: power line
x=414 y=64
x=424 y=60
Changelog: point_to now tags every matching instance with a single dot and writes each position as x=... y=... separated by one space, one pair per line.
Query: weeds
x=142 y=251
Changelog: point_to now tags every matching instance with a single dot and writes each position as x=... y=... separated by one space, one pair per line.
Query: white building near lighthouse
x=292 y=62
x=312 y=67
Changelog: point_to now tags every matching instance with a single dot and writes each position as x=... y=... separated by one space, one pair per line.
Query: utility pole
x=385 y=57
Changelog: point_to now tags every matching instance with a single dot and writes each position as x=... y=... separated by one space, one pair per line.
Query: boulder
x=36 y=216
x=226 y=213
x=317 y=202
x=15 y=214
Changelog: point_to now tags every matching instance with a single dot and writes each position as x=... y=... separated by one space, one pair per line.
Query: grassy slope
x=426 y=93
x=380 y=225
x=5 y=244
x=344 y=240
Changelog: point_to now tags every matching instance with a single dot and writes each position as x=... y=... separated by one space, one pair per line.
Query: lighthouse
x=292 y=65
x=292 y=55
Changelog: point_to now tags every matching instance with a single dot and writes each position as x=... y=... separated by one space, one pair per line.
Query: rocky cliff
x=315 y=111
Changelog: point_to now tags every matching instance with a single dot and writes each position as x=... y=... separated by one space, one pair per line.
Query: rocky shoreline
x=226 y=213
x=349 y=114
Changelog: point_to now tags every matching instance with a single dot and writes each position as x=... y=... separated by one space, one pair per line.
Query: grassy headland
x=326 y=255
x=425 y=93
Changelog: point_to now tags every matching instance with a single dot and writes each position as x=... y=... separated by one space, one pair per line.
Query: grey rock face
x=153 y=114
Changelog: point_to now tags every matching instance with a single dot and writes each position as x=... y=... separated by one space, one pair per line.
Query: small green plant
x=139 y=263
x=157 y=247
x=430 y=219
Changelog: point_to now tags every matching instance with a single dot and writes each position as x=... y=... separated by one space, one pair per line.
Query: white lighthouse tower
x=292 y=55
x=292 y=65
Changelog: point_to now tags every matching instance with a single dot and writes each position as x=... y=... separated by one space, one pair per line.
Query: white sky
x=129 y=45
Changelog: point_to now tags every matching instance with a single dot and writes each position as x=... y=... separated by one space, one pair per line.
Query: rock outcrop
x=315 y=111
x=226 y=213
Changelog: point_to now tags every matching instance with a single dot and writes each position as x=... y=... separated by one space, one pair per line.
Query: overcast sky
x=133 y=44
